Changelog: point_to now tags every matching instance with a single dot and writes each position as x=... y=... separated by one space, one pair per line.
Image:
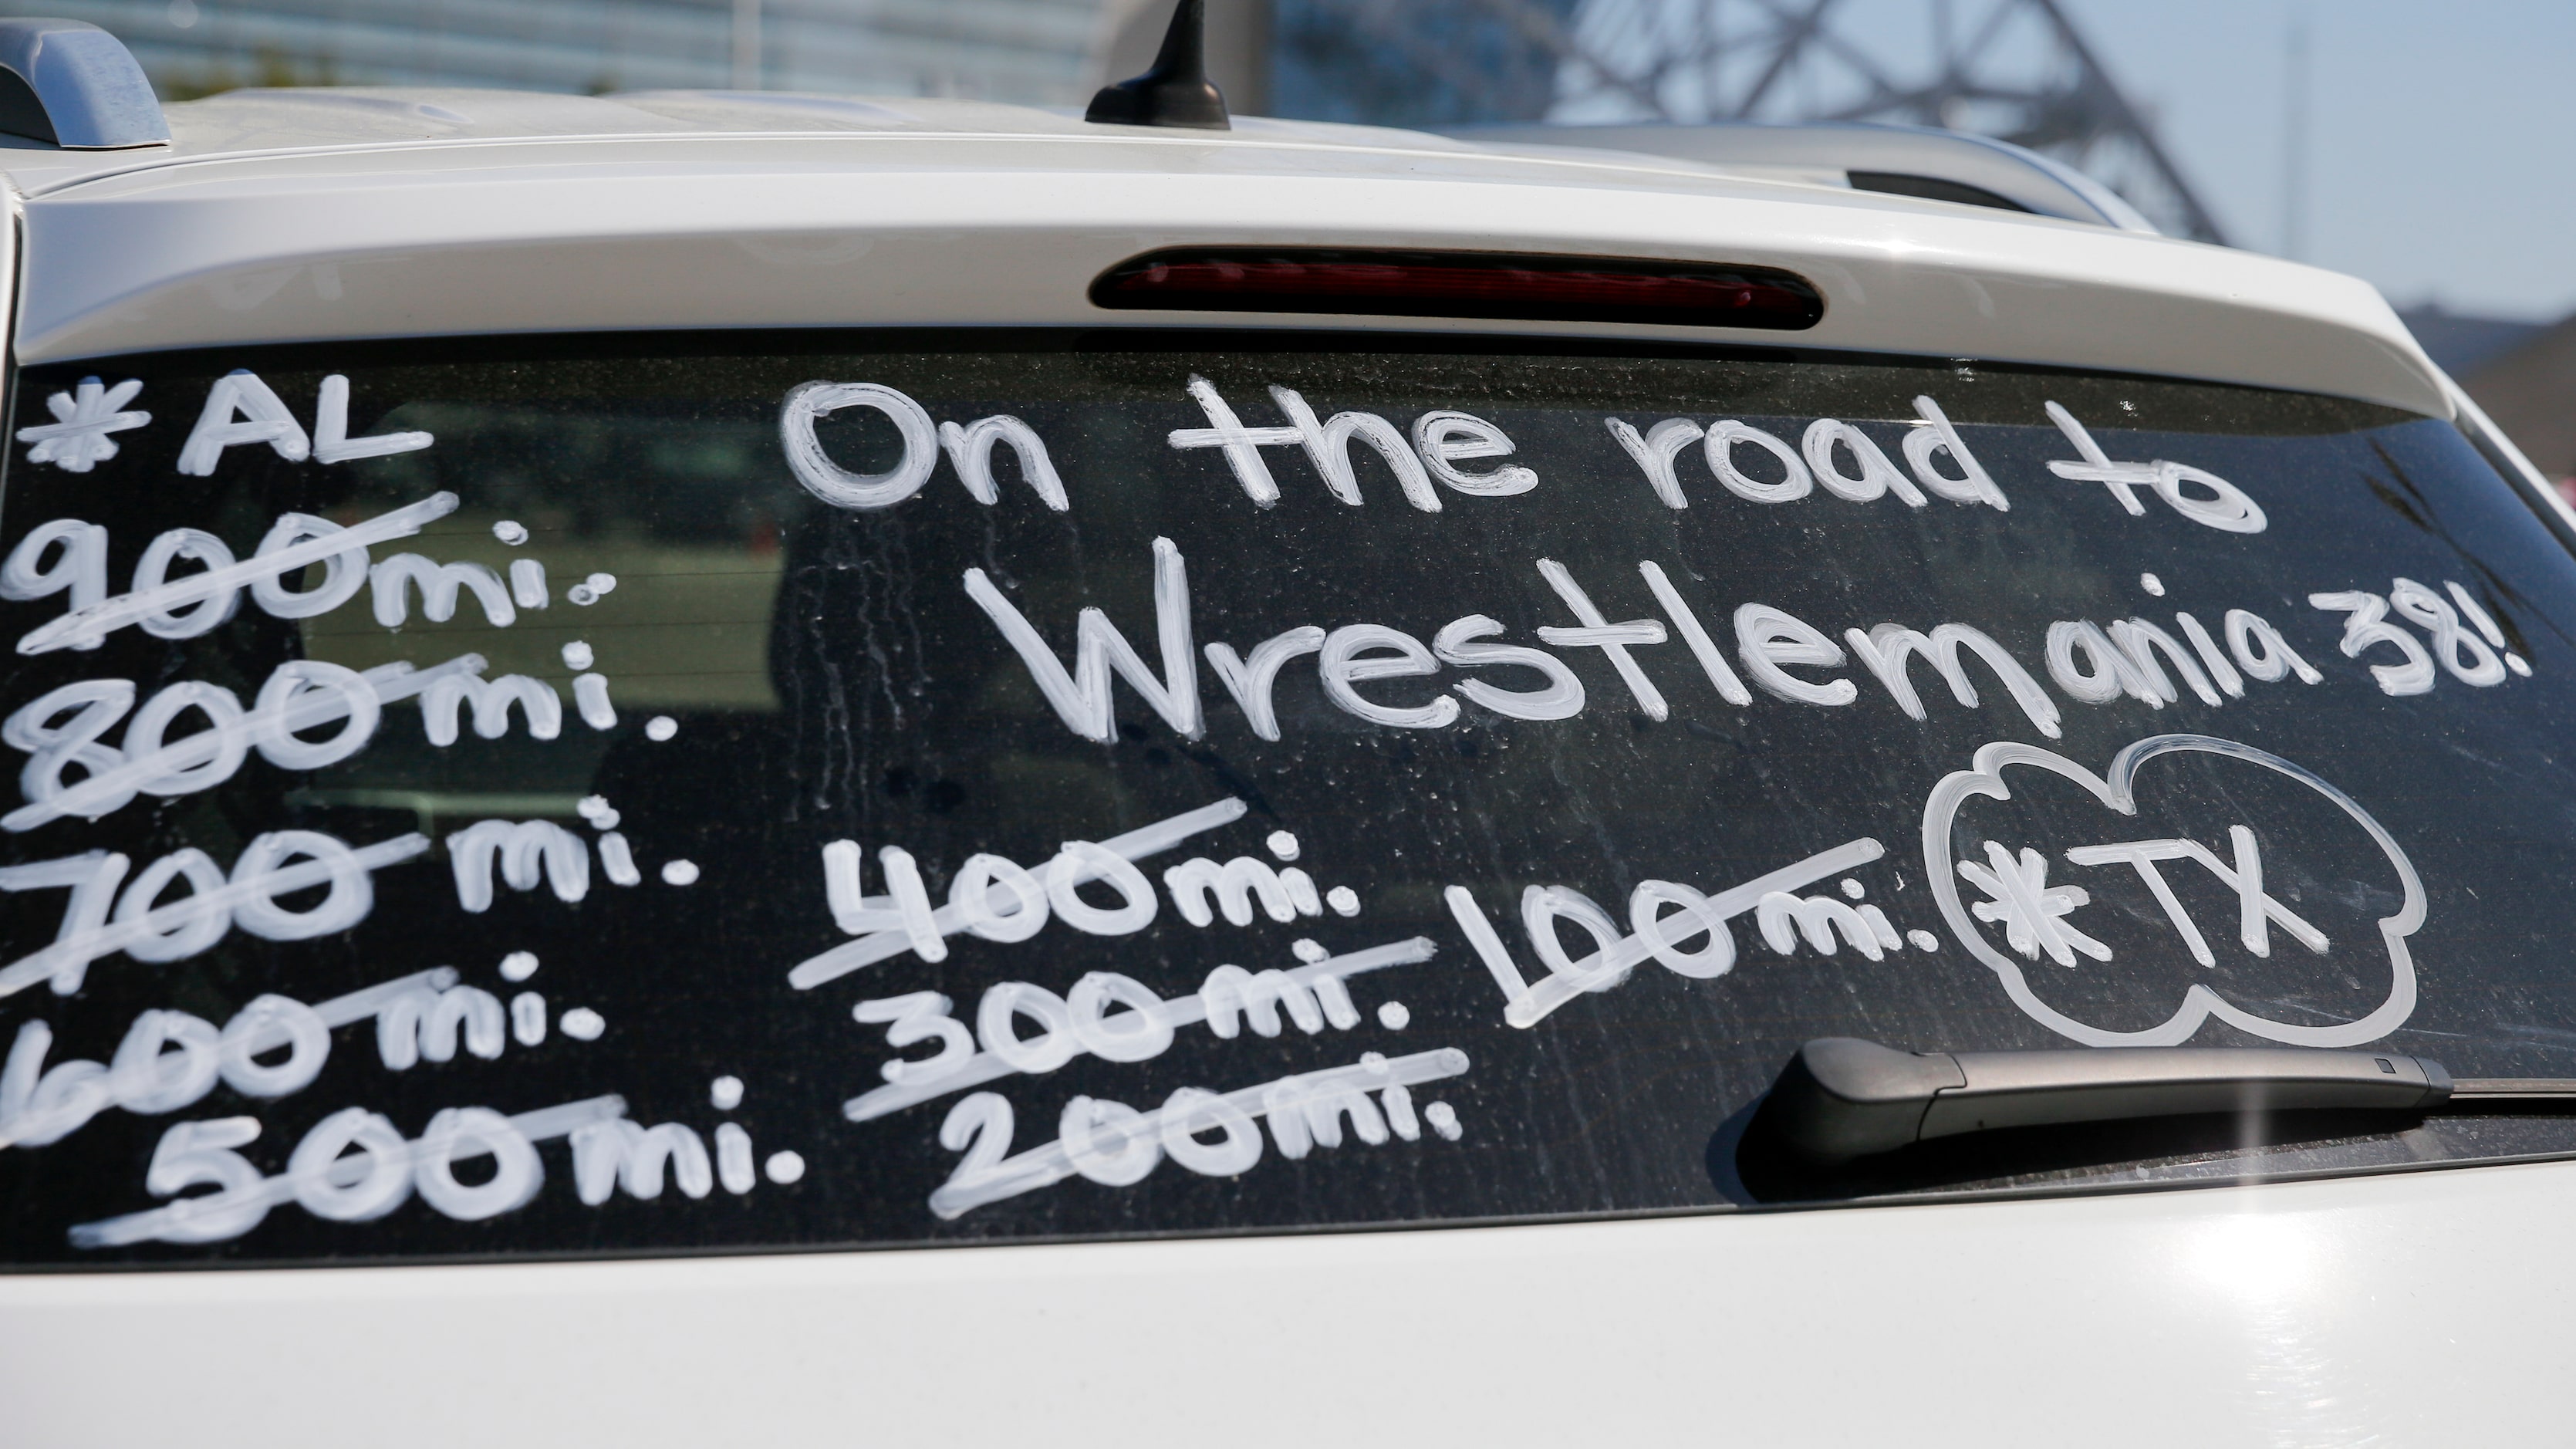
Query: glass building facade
x=1036 y=51
x=1419 y=63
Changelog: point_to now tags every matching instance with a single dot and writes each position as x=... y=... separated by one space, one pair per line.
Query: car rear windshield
x=540 y=798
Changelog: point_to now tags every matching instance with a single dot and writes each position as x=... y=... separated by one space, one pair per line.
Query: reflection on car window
x=653 y=796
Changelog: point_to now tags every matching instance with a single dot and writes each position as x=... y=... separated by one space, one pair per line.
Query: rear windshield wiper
x=1842 y=1098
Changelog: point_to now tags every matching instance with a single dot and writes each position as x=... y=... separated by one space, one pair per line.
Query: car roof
x=328 y=214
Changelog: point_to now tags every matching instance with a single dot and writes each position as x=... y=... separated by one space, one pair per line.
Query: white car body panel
x=1008 y=228
x=2414 y=1308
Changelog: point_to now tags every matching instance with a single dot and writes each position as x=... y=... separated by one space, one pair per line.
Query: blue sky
x=2442 y=152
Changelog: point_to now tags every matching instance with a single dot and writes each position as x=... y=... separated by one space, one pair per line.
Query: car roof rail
x=1904 y=160
x=72 y=84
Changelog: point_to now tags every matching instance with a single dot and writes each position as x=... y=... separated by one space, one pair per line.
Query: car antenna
x=1177 y=91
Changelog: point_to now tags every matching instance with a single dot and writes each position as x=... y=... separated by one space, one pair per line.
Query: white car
x=715 y=769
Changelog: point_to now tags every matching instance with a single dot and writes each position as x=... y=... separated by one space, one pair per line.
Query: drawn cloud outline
x=2114 y=789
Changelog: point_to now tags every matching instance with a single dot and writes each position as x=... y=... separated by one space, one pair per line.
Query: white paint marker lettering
x=970 y=452
x=62 y=728
x=1704 y=649
x=617 y=861
x=280 y=863
x=384 y=1173
x=77 y=439
x=810 y=402
x=1543 y=907
x=439 y=584
x=344 y=573
x=913 y=915
x=1769 y=640
x=733 y=1158
x=2366 y=625
x=590 y=696
x=1782 y=917
x=422 y=1023
x=153 y=570
x=1356 y=653
x=1446 y=439
x=1890 y=648
x=1932 y=438
x=1613 y=640
x=2256 y=910
x=1720 y=445
x=2032 y=912
x=1285 y=895
x=1312 y=995
x=1080 y=861
x=1242 y=444
x=297 y=540
x=539 y=706
x=1251 y=681
x=2468 y=658
x=2475 y=613
x=40 y=1105
x=2228 y=508
x=2119 y=662
x=1526 y=1004
x=1305 y=1111
x=2261 y=651
x=241 y=410
x=331 y=440
x=1878 y=477
x=1455 y=644
x=1654 y=454
x=1439 y=442
x=528 y=1018
x=79 y=567
x=2211 y=656
x=614 y=1153
x=2142 y=641
x=967 y=907
x=1081 y=698
x=525 y=852
x=1328 y=447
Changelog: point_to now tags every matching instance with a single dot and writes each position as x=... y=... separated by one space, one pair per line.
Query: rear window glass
x=543 y=799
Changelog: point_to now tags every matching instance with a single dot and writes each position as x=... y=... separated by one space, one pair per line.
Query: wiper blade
x=1842 y=1098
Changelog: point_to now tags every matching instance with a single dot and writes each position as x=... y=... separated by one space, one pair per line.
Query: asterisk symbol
x=78 y=439
x=2019 y=895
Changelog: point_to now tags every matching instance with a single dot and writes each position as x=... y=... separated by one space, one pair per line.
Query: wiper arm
x=1841 y=1098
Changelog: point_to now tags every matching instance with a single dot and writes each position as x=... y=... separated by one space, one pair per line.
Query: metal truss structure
x=2018 y=70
